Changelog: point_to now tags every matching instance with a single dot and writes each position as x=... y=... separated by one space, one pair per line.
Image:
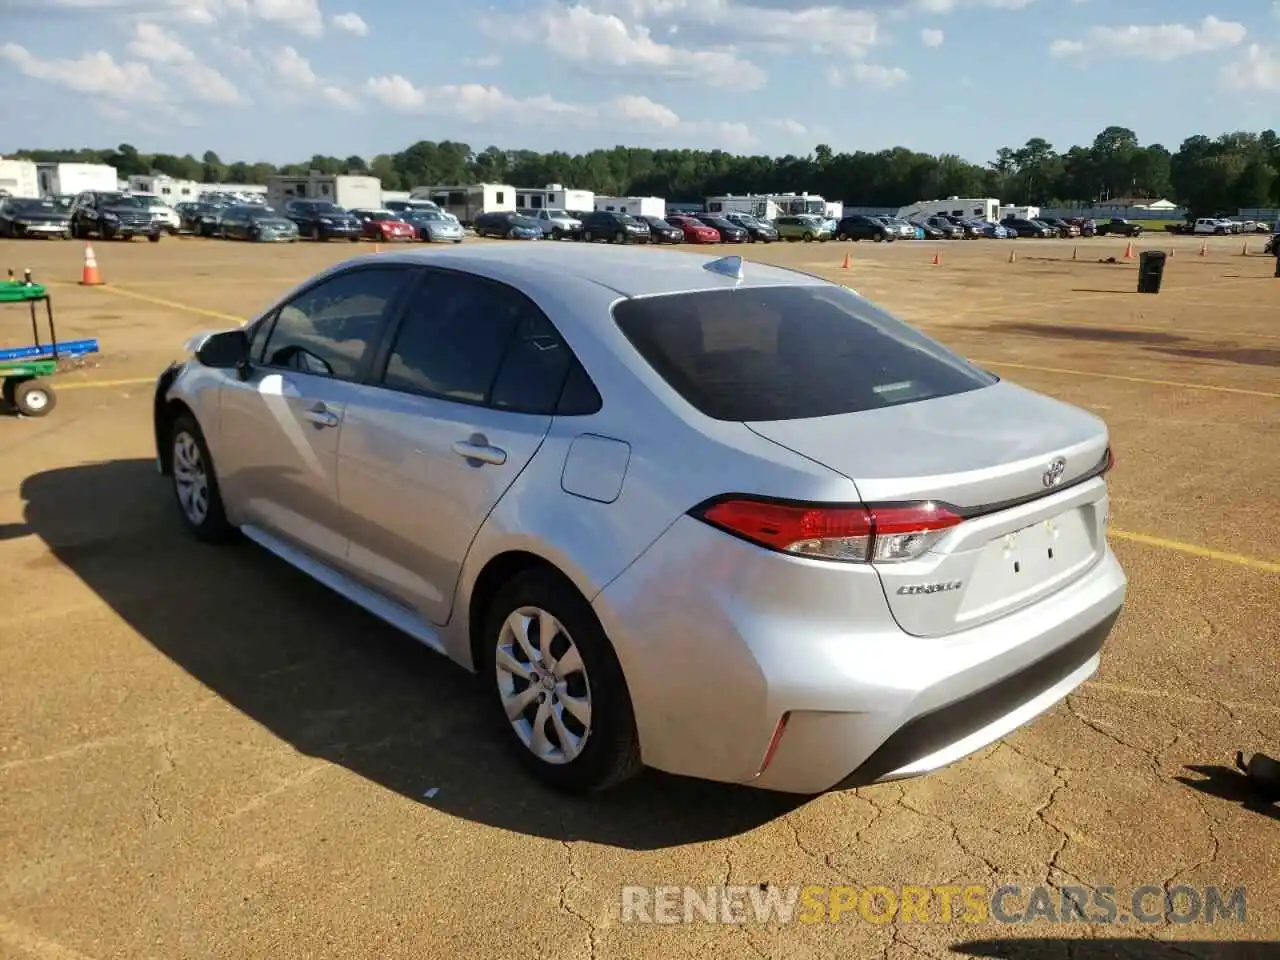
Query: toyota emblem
x=1054 y=472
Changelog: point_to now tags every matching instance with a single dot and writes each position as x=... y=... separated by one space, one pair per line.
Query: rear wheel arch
x=498 y=571
x=167 y=412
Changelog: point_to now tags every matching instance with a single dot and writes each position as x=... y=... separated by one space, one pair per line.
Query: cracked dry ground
x=206 y=755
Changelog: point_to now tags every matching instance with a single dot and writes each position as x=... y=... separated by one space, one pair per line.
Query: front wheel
x=619 y=237
x=195 y=485
x=557 y=687
x=33 y=398
x=808 y=238
x=879 y=238
x=153 y=237
x=587 y=236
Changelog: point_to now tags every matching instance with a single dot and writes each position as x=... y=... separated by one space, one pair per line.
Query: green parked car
x=803 y=227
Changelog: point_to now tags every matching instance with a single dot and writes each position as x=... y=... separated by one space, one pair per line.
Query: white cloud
x=932 y=38
x=303 y=16
x=295 y=72
x=481 y=103
x=96 y=74
x=1158 y=42
x=1259 y=70
x=950 y=6
x=793 y=127
x=487 y=61
x=351 y=23
x=154 y=43
x=825 y=25
x=868 y=75
x=600 y=41
x=209 y=85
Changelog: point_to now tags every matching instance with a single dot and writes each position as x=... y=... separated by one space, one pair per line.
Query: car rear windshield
x=789 y=353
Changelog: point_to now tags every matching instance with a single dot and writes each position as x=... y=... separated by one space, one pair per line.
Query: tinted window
x=453 y=338
x=784 y=353
x=532 y=373
x=329 y=329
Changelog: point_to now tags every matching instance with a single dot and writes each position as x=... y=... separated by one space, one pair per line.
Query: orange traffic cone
x=1013 y=257
x=1204 y=248
x=89 y=276
x=1128 y=251
x=937 y=258
x=846 y=262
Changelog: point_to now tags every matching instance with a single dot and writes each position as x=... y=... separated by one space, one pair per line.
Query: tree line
x=1206 y=175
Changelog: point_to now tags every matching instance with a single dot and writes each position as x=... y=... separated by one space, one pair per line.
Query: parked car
x=859 y=227
x=1117 y=226
x=111 y=214
x=20 y=217
x=927 y=231
x=435 y=226
x=944 y=226
x=1023 y=227
x=161 y=212
x=1088 y=226
x=1066 y=231
x=802 y=227
x=989 y=230
x=556 y=224
x=1272 y=245
x=200 y=219
x=695 y=231
x=614 y=227
x=660 y=231
x=404 y=207
x=898 y=228
x=507 y=225
x=758 y=231
x=729 y=231
x=1212 y=225
x=547 y=475
x=322 y=220
x=384 y=226
x=259 y=224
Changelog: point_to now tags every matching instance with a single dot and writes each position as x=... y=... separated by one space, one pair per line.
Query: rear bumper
x=719 y=640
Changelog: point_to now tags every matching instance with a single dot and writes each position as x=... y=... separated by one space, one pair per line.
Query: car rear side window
x=789 y=353
x=475 y=340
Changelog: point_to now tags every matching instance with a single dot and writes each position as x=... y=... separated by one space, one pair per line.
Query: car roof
x=626 y=271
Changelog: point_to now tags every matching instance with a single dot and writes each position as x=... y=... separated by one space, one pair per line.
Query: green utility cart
x=25 y=371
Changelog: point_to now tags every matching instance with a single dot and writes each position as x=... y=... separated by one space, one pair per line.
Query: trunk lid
x=1031 y=527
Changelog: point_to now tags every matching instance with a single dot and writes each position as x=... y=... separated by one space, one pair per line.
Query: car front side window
x=330 y=329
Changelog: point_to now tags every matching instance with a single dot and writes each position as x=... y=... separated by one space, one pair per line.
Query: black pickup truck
x=1116 y=227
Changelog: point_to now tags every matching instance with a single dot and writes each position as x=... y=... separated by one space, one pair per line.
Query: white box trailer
x=70 y=179
x=349 y=191
x=1018 y=213
x=770 y=206
x=636 y=206
x=970 y=208
x=468 y=201
x=19 y=178
x=555 y=196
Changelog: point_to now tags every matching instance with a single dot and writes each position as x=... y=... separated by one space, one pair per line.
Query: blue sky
x=280 y=80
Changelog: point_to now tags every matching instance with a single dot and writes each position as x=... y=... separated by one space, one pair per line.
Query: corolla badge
x=1054 y=473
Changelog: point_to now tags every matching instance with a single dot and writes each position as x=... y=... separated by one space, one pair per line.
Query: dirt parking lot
x=205 y=755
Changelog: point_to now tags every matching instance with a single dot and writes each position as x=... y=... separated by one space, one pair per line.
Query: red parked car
x=695 y=231
x=384 y=226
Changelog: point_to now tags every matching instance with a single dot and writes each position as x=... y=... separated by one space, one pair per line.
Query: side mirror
x=225 y=351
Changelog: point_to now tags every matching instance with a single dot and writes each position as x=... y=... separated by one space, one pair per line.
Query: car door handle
x=321 y=416
x=471 y=450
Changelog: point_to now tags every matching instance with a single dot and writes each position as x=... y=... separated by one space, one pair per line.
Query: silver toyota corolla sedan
x=713 y=517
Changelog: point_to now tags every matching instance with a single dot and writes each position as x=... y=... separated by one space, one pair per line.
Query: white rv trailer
x=636 y=206
x=978 y=208
x=555 y=196
x=19 y=178
x=468 y=201
x=69 y=179
x=349 y=191
x=770 y=206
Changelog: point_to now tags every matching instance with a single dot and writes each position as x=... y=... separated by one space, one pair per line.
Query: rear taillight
x=876 y=534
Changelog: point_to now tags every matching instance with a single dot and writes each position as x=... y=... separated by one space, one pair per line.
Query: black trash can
x=1150 y=270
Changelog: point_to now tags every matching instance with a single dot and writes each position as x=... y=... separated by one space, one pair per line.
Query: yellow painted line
x=87 y=384
x=1182 y=385
x=1194 y=550
x=173 y=304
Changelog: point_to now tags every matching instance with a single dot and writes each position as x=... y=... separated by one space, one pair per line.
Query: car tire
x=154 y=237
x=557 y=233
x=842 y=236
x=619 y=237
x=106 y=233
x=195 y=483
x=808 y=237
x=587 y=236
x=605 y=750
x=879 y=238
